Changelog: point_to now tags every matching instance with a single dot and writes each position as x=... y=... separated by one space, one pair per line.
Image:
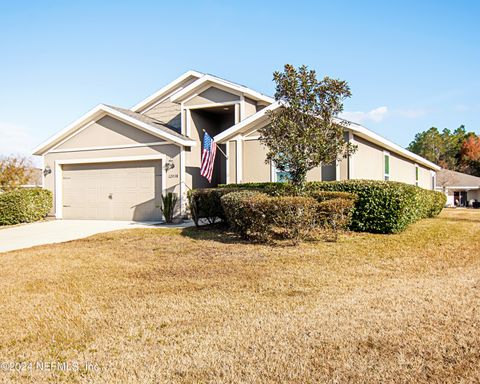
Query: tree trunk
x=298 y=181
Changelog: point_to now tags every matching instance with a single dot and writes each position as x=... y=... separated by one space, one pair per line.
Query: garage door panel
x=112 y=191
x=125 y=198
x=91 y=195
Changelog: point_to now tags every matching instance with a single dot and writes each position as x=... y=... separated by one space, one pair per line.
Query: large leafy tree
x=305 y=132
x=471 y=155
x=443 y=148
x=471 y=148
x=15 y=171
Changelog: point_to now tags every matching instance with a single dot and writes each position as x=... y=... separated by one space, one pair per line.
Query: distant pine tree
x=458 y=150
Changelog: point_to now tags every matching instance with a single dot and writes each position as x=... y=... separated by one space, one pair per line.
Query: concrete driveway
x=58 y=231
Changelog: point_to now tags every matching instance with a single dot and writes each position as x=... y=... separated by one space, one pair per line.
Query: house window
x=432 y=174
x=416 y=175
x=282 y=176
x=386 y=167
x=279 y=175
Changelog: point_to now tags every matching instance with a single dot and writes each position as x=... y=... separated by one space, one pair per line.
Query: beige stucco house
x=462 y=190
x=115 y=163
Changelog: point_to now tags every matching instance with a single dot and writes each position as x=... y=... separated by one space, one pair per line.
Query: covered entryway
x=128 y=190
x=460 y=198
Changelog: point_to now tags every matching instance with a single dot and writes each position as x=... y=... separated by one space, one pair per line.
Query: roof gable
x=126 y=116
x=106 y=131
x=247 y=124
x=212 y=95
x=176 y=85
x=206 y=80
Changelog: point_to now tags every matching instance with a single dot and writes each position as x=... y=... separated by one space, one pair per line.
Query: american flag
x=208 y=157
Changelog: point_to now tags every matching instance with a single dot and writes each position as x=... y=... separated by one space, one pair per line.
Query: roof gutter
x=358 y=129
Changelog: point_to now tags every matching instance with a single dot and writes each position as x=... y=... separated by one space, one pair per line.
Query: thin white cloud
x=376 y=115
x=413 y=113
x=15 y=139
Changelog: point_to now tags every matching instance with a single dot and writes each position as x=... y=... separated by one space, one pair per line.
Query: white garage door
x=112 y=191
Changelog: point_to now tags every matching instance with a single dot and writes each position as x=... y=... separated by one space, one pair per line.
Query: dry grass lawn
x=154 y=306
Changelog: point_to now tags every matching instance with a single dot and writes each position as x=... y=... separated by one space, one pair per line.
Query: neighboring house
x=115 y=163
x=461 y=189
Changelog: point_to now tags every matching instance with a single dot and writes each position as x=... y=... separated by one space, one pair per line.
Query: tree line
x=457 y=150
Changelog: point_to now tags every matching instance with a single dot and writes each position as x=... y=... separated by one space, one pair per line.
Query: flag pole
x=220 y=149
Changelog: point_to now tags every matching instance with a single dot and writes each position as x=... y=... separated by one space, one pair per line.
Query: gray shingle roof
x=448 y=178
x=156 y=124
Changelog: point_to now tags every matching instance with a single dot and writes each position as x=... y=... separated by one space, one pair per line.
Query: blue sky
x=410 y=65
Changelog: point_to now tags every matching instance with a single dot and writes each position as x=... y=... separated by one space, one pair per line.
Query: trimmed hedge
x=205 y=204
x=24 y=205
x=322 y=196
x=263 y=218
x=270 y=188
x=381 y=206
x=336 y=214
x=247 y=212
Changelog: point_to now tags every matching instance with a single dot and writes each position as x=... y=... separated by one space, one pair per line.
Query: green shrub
x=270 y=188
x=335 y=215
x=292 y=217
x=321 y=196
x=24 y=205
x=260 y=217
x=432 y=203
x=193 y=205
x=381 y=206
x=247 y=213
x=205 y=204
x=384 y=206
x=440 y=201
x=169 y=202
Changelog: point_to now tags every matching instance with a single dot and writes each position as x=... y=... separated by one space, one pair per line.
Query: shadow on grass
x=460 y=220
x=213 y=232
x=221 y=233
